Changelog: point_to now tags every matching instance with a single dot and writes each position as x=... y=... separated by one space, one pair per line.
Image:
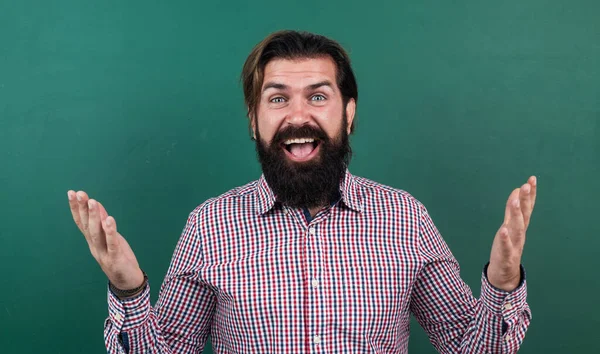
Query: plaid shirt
x=260 y=277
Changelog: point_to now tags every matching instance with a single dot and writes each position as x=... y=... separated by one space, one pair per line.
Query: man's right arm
x=180 y=321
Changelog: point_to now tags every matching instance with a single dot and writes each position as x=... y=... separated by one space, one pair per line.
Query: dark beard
x=305 y=184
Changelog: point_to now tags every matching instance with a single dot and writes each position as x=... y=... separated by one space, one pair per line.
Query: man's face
x=297 y=93
x=302 y=131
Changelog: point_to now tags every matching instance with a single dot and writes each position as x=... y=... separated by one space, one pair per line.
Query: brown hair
x=294 y=45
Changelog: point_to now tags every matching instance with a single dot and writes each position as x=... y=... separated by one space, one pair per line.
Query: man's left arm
x=443 y=304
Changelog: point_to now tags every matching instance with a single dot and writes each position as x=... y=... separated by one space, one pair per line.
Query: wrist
x=129 y=292
x=507 y=286
x=503 y=279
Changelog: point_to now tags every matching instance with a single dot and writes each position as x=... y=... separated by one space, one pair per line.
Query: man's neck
x=313 y=211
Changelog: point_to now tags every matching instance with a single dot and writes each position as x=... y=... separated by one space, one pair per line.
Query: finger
x=515 y=224
x=525 y=201
x=82 y=199
x=514 y=196
x=95 y=227
x=74 y=206
x=102 y=211
x=110 y=229
x=532 y=181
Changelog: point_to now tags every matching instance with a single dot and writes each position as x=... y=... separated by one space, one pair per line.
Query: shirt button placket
x=315 y=295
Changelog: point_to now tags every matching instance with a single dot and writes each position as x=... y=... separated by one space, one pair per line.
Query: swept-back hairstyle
x=295 y=45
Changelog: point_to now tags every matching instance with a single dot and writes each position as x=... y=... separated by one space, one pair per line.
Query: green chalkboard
x=139 y=104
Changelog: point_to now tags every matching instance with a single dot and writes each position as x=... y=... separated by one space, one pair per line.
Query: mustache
x=295 y=132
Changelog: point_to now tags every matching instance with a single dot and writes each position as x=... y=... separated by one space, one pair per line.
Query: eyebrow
x=320 y=84
x=280 y=86
x=274 y=85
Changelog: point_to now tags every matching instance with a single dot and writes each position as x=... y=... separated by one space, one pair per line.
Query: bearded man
x=309 y=258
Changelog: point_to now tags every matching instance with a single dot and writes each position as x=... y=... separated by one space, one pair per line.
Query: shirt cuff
x=504 y=303
x=127 y=314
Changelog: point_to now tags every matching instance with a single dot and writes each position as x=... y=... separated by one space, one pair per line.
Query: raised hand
x=505 y=259
x=107 y=246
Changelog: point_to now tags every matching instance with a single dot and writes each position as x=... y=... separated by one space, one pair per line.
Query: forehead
x=300 y=72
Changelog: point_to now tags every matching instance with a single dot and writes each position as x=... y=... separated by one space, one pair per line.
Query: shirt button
x=312 y=231
x=118 y=317
x=507 y=338
x=508 y=306
x=315 y=283
x=316 y=339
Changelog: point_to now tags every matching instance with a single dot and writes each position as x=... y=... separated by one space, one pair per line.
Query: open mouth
x=301 y=149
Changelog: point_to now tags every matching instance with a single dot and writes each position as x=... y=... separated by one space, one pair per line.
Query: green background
x=139 y=104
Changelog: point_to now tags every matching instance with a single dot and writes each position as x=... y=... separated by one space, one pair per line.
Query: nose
x=299 y=113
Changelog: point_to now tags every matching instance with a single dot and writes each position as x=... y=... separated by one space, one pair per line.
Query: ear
x=350 y=112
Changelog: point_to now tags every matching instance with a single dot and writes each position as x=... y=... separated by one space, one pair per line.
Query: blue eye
x=278 y=100
x=318 y=98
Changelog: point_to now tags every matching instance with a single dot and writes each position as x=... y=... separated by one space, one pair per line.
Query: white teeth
x=299 y=141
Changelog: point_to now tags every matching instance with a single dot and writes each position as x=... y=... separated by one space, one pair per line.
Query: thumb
x=112 y=238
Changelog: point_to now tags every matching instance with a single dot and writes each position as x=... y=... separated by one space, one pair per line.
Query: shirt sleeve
x=454 y=320
x=180 y=321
